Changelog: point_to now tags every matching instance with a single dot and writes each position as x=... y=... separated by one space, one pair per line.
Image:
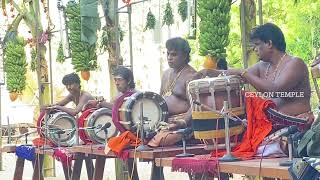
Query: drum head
x=61 y=121
x=154 y=110
x=216 y=83
x=100 y=118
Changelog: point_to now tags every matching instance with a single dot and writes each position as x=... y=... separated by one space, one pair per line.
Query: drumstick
x=244 y=122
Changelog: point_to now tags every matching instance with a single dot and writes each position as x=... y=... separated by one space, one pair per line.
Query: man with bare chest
x=76 y=95
x=281 y=77
x=173 y=89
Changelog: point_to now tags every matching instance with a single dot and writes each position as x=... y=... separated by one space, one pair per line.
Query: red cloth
x=197 y=164
x=259 y=126
x=125 y=140
x=81 y=123
x=115 y=110
x=63 y=155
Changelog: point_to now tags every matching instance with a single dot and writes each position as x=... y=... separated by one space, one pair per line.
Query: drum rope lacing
x=168 y=91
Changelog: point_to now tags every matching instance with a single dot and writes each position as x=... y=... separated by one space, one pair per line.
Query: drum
x=207 y=97
x=280 y=120
x=89 y=123
x=60 y=130
x=154 y=110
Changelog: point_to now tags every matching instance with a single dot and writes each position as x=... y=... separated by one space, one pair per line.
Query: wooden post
x=247 y=22
x=18 y=172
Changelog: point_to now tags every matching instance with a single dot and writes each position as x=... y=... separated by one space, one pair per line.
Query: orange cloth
x=125 y=140
x=258 y=128
x=40 y=141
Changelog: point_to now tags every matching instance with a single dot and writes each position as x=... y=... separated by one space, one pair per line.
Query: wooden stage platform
x=269 y=167
x=88 y=152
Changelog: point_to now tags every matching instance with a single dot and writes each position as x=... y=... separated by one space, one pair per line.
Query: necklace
x=77 y=98
x=276 y=70
x=168 y=91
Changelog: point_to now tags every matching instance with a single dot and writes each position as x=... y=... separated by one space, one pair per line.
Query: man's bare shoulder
x=87 y=95
x=296 y=63
x=167 y=71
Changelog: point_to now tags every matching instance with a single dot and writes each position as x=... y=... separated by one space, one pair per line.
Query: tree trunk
x=32 y=20
x=111 y=17
x=247 y=22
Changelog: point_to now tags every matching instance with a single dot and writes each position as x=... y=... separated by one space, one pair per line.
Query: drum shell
x=59 y=119
x=214 y=91
x=211 y=93
x=89 y=118
x=129 y=119
x=209 y=128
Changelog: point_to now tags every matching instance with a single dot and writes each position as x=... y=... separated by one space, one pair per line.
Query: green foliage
x=15 y=64
x=108 y=36
x=183 y=9
x=168 y=15
x=151 y=21
x=60 y=56
x=300 y=22
x=83 y=54
x=214 y=27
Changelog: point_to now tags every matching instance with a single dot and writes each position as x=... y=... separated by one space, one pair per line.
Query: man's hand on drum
x=206 y=72
x=49 y=107
x=90 y=104
x=163 y=126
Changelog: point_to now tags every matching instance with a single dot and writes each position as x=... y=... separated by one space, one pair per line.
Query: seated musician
x=124 y=81
x=76 y=95
x=173 y=90
x=277 y=72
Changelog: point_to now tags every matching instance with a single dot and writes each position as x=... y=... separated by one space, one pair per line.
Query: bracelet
x=243 y=73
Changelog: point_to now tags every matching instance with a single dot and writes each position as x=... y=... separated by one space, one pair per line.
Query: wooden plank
x=89 y=166
x=18 y=172
x=269 y=167
x=99 y=167
x=155 y=153
x=37 y=164
x=8 y=149
x=77 y=166
x=67 y=170
x=156 y=172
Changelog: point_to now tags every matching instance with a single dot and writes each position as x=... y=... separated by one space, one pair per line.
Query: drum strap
x=197 y=91
x=212 y=115
x=115 y=111
x=211 y=89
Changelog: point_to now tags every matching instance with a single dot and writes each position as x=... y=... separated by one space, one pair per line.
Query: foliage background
x=299 y=20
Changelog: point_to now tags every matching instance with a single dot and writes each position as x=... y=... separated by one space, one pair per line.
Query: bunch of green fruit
x=168 y=15
x=60 y=56
x=15 y=65
x=183 y=9
x=151 y=21
x=84 y=57
x=214 y=27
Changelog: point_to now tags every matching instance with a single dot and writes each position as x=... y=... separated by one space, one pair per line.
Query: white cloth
x=272 y=149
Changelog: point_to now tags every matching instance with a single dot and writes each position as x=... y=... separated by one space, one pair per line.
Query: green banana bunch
x=214 y=27
x=83 y=54
x=168 y=15
x=60 y=56
x=107 y=36
x=151 y=21
x=183 y=9
x=15 y=64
